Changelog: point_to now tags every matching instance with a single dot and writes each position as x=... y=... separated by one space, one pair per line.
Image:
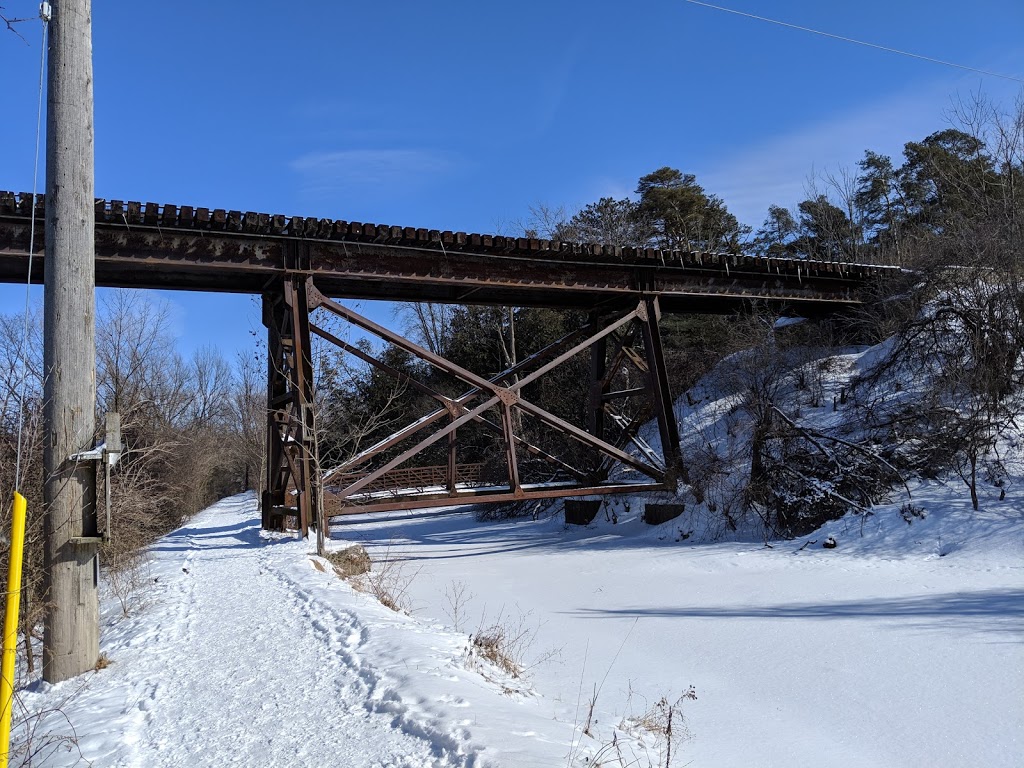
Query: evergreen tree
x=683 y=216
x=826 y=232
x=610 y=222
x=777 y=233
x=947 y=176
x=880 y=199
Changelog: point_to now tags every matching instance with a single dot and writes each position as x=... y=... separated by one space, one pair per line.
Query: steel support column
x=292 y=480
x=660 y=392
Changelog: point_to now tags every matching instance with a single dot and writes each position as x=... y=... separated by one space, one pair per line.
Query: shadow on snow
x=991 y=610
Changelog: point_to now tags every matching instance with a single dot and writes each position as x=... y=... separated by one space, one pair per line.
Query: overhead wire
x=26 y=331
x=857 y=42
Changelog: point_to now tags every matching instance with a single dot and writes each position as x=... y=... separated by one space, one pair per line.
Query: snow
x=902 y=647
x=888 y=651
x=236 y=660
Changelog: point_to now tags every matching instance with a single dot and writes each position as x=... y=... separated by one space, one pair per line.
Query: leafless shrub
x=514 y=510
x=21 y=401
x=506 y=644
x=457 y=597
x=666 y=722
x=652 y=738
x=46 y=736
x=126 y=575
x=388 y=581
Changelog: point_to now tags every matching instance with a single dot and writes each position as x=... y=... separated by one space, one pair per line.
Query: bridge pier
x=292 y=483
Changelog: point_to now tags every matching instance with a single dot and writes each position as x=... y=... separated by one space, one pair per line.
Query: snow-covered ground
x=901 y=647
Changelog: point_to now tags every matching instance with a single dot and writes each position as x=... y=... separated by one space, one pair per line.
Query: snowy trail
x=236 y=664
x=234 y=607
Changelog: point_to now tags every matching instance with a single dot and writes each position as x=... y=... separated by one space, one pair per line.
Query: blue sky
x=461 y=115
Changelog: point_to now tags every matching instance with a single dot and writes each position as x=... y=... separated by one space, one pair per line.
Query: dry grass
x=384 y=578
x=666 y=723
x=497 y=645
x=506 y=644
x=387 y=579
x=350 y=562
x=649 y=740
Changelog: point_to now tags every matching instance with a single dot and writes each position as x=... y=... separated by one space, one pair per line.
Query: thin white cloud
x=555 y=86
x=776 y=171
x=369 y=170
x=609 y=187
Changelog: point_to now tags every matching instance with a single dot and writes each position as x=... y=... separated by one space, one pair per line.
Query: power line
x=44 y=14
x=857 y=42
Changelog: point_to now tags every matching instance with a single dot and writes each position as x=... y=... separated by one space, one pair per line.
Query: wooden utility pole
x=71 y=640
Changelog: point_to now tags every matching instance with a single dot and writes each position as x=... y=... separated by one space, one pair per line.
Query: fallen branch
x=853 y=446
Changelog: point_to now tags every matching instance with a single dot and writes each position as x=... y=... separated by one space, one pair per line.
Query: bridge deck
x=192 y=248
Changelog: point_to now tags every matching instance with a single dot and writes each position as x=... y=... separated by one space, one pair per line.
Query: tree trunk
x=974 y=481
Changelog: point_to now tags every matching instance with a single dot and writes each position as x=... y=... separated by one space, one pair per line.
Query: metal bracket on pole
x=108 y=453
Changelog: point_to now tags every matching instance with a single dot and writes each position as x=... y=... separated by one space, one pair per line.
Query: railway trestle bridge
x=299 y=265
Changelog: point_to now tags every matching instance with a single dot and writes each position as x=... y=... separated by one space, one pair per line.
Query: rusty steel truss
x=293 y=485
x=498 y=403
x=148 y=245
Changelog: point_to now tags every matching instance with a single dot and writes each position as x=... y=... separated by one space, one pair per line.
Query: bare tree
x=426 y=323
x=248 y=408
x=843 y=184
x=21 y=397
x=175 y=416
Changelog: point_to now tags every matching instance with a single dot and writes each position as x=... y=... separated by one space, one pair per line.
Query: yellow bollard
x=11 y=626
